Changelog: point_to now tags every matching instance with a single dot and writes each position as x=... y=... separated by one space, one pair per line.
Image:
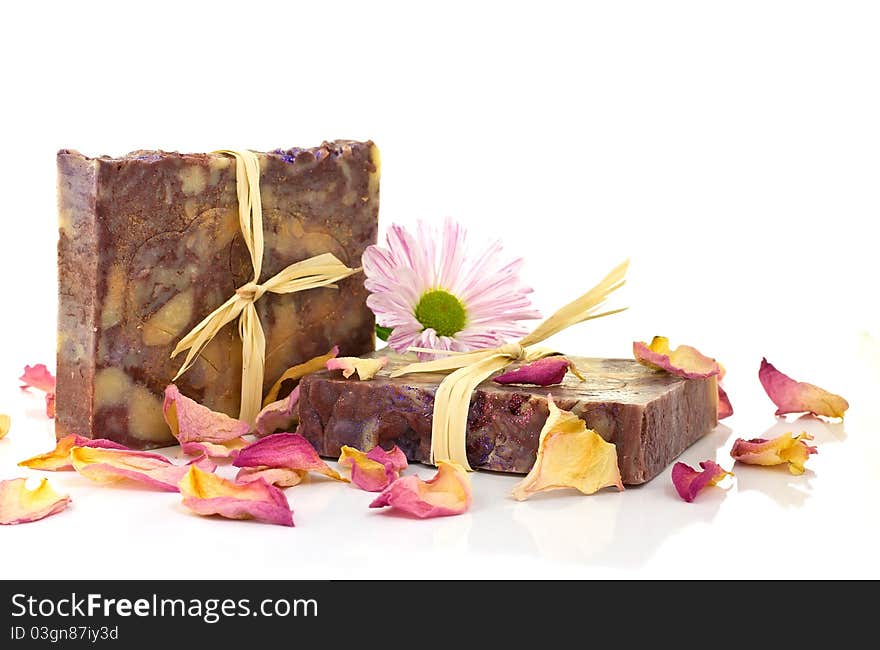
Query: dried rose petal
x=286 y=450
x=297 y=372
x=18 y=505
x=683 y=361
x=725 y=408
x=373 y=471
x=570 y=455
x=228 y=449
x=38 y=377
x=394 y=457
x=786 y=448
x=448 y=493
x=5 y=425
x=111 y=465
x=543 y=372
x=688 y=481
x=365 y=368
x=209 y=494
x=189 y=421
x=792 y=396
x=281 y=415
x=58 y=459
x=279 y=476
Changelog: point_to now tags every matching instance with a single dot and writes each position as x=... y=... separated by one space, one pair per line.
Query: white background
x=729 y=149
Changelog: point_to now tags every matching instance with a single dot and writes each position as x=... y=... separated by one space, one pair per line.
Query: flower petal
x=112 y=465
x=683 y=361
x=279 y=476
x=228 y=449
x=59 y=458
x=299 y=371
x=543 y=372
x=281 y=415
x=18 y=505
x=570 y=455
x=365 y=368
x=688 y=481
x=5 y=425
x=786 y=448
x=285 y=450
x=725 y=408
x=394 y=457
x=209 y=494
x=373 y=471
x=792 y=396
x=448 y=493
x=38 y=377
x=189 y=421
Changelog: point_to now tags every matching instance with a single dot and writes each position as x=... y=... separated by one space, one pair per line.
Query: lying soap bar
x=651 y=416
x=150 y=244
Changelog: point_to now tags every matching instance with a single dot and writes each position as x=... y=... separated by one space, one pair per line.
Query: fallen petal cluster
x=375 y=470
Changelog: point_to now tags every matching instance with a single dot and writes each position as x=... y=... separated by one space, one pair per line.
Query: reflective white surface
x=765 y=523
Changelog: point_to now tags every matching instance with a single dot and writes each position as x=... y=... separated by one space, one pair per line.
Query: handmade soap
x=651 y=416
x=150 y=244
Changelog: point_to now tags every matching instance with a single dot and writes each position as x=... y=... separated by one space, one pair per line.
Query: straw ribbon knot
x=251 y=292
x=469 y=369
x=319 y=271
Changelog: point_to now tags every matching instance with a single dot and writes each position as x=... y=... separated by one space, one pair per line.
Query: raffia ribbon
x=319 y=271
x=453 y=397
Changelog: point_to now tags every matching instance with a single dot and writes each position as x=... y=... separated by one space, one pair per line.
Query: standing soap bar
x=150 y=244
x=651 y=416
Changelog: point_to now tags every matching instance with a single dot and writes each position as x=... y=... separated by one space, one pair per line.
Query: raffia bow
x=469 y=369
x=319 y=271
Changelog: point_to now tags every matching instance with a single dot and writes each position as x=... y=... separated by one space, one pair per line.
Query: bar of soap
x=150 y=244
x=650 y=416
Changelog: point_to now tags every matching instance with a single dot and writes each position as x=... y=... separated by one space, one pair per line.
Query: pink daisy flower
x=432 y=294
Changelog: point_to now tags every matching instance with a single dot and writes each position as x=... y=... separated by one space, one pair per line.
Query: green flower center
x=441 y=311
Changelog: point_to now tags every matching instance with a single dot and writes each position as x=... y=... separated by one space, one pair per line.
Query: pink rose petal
x=792 y=396
x=281 y=415
x=365 y=368
x=279 y=476
x=373 y=471
x=543 y=372
x=285 y=450
x=393 y=457
x=683 y=361
x=786 y=448
x=725 y=409
x=228 y=449
x=191 y=422
x=688 y=481
x=447 y=494
x=111 y=465
x=58 y=459
x=209 y=494
x=38 y=377
x=18 y=505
